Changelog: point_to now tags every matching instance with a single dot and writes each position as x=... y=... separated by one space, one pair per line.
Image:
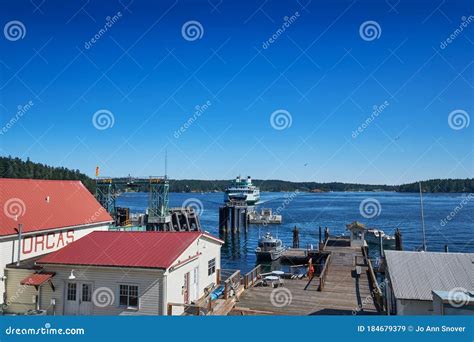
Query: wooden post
x=246 y=222
x=232 y=219
x=296 y=238
x=398 y=240
x=218 y=276
x=239 y=215
x=221 y=219
x=170 y=310
x=381 y=245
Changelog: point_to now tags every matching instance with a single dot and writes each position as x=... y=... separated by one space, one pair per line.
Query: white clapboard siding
x=149 y=288
x=207 y=249
x=19 y=298
x=9 y=247
x=156 y=288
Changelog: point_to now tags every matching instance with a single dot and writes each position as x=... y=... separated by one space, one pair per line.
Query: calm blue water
x=309 y=211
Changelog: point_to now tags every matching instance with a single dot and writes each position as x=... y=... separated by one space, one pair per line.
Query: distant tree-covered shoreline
x=17 y=168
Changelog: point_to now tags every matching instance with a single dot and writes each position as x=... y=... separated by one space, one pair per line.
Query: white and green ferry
x=242 y=189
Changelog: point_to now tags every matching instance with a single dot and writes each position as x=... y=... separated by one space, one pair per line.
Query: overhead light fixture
x=72 y=276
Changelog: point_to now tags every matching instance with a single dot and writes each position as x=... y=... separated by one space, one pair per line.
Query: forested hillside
x=17 y=168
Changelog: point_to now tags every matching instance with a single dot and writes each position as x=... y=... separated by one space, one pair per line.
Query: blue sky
x=320 y=71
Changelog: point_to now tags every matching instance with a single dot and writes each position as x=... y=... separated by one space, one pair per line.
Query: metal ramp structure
x=159 y=215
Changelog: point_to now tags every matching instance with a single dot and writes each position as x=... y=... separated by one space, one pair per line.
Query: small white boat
x=372 y=236
x=269 y=248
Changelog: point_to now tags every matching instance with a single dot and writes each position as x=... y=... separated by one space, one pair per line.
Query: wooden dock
x=343 y=292
x=300 y=255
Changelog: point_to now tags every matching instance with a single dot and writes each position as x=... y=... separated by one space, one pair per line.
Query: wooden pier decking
x=299 y=255
x=344 y=293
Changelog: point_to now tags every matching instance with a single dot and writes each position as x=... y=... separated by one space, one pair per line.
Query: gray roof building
x=414 y=275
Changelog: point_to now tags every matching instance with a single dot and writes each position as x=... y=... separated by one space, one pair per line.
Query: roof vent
x=47 y=199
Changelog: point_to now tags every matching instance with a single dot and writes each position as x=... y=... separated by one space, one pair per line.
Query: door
x=78 y=299
x=71 y=306
x=196 y=283
x=186 y=288
x=85 y=299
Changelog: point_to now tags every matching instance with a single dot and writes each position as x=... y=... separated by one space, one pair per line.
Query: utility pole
x=422 y=219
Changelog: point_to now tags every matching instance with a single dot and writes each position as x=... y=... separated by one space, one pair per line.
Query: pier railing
x=251 y=277
x=376 y=290
x=192 y=309
x=324 y=273
x=325 y=243
x=231 y=284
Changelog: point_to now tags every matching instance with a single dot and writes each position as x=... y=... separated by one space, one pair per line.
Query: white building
x=51 y=215
x=125 y=273
x=357 y=236
x=458 y=302
x=429 y=283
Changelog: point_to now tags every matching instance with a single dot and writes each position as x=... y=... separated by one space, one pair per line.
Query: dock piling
x=326 y=234
x=296 y=238
x=398 y=240
x=233 y=214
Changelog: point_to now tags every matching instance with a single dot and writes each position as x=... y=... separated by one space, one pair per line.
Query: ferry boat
x=242 y=190
x=269 y=248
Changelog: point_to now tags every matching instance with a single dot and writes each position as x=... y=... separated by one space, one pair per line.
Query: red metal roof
x=125 y=249
x=46 y=204
x=37 y=279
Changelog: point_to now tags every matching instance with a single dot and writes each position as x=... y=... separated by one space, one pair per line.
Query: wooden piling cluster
x=232 y=216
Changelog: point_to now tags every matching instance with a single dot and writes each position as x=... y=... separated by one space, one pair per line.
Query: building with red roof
x=41 y=216
x=125 y=273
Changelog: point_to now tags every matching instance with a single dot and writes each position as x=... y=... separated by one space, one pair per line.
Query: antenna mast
x=166 y=163
x=422 y=219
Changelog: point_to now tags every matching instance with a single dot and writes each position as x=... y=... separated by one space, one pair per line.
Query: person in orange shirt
x=311 y=272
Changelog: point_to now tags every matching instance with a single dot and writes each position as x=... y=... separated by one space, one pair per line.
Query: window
x=86 y=292
x=211 y=267
x=71 y=291
x=129 y=296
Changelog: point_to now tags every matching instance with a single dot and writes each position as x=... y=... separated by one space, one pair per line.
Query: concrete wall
x=39 y=243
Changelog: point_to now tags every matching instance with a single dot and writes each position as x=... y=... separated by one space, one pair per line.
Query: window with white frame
x=129 y=296
x=211 y=267
x=71 y=291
